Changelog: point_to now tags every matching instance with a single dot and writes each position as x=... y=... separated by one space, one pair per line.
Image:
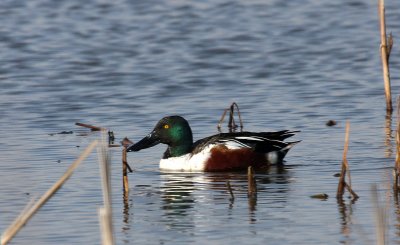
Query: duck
x=233 y=151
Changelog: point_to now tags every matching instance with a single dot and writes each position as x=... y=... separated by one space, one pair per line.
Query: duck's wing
x=260 y=142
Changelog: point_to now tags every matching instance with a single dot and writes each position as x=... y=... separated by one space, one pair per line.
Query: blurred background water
x=125 y=64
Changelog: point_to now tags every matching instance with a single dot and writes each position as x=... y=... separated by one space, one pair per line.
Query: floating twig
x=10 y=232
x=345 y=169
x=231 y=123
x=322 y=196
x=385 y=54
x=93 y=128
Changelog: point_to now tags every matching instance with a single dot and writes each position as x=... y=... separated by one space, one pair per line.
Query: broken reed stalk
x=10 y=232
x=228 y=184
x=125 y=166
x=385 y=53
x=342 y=185
x=231 y=122
x=93 y=128
x=396 y=170
x=381 y=223
x=125 y=181
x=342 y=179
x=105 y=213
x=105 y=223
x=251 y=182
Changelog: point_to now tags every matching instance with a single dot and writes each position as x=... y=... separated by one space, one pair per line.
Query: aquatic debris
x=385 y=54
x=252 y=189
x=111 y=136
x=105 y=212
x=125 y=166
x=251 y=182
x=62 y=132
x=345 y=170
x=381 y=219
x=231 y=123
x=125 y=143
x=91 y=127
x=396 y=169
x=322 y=196
x=331 y=123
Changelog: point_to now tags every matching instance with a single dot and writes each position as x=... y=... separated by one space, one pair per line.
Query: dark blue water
x=125 y=64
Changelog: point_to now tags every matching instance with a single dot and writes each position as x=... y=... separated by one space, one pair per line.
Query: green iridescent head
x=173 y=131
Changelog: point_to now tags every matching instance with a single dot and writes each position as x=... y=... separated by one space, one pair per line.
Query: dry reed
x=385 y=53
x=105 y=213
x=380 y=217
x=231 y=123
x=396 y=170
x=251 y=182
x=12 y=230
x=125 y=181
x=345 y=169
x=93 y=128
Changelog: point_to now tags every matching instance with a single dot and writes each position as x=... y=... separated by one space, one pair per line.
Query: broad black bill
x=149 y=141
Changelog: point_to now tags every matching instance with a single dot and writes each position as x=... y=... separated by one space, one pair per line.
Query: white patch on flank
x=272 y=157
x=188 y=162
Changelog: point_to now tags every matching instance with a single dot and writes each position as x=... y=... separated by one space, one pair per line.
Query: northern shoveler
x=220 y=152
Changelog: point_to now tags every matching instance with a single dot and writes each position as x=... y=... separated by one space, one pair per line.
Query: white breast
x=188 y=162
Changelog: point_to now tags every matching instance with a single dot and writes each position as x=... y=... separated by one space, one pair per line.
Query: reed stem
x=380 y=217
x=385 y=53
x=106 y=226
x=396 y=170
x=105 y=213
x=342 y=179
x=125 y=182
x=252 y=185
x=345 y=170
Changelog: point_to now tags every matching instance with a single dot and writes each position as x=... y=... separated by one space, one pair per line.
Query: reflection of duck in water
x=177 y=192
x=220 y=152
x=190 y=197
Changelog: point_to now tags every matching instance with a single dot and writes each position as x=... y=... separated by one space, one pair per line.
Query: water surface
x=124 y=65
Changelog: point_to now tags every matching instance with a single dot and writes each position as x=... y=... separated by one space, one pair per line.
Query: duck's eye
x=166 y=126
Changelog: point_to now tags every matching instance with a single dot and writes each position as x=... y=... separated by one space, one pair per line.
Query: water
x=124 y=65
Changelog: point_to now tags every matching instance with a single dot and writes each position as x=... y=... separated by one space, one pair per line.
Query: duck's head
x=173 y=131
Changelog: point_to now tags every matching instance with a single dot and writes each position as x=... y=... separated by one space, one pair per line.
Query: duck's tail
x=276 y=157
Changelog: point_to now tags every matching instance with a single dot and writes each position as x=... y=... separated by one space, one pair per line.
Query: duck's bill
x=147 y=142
